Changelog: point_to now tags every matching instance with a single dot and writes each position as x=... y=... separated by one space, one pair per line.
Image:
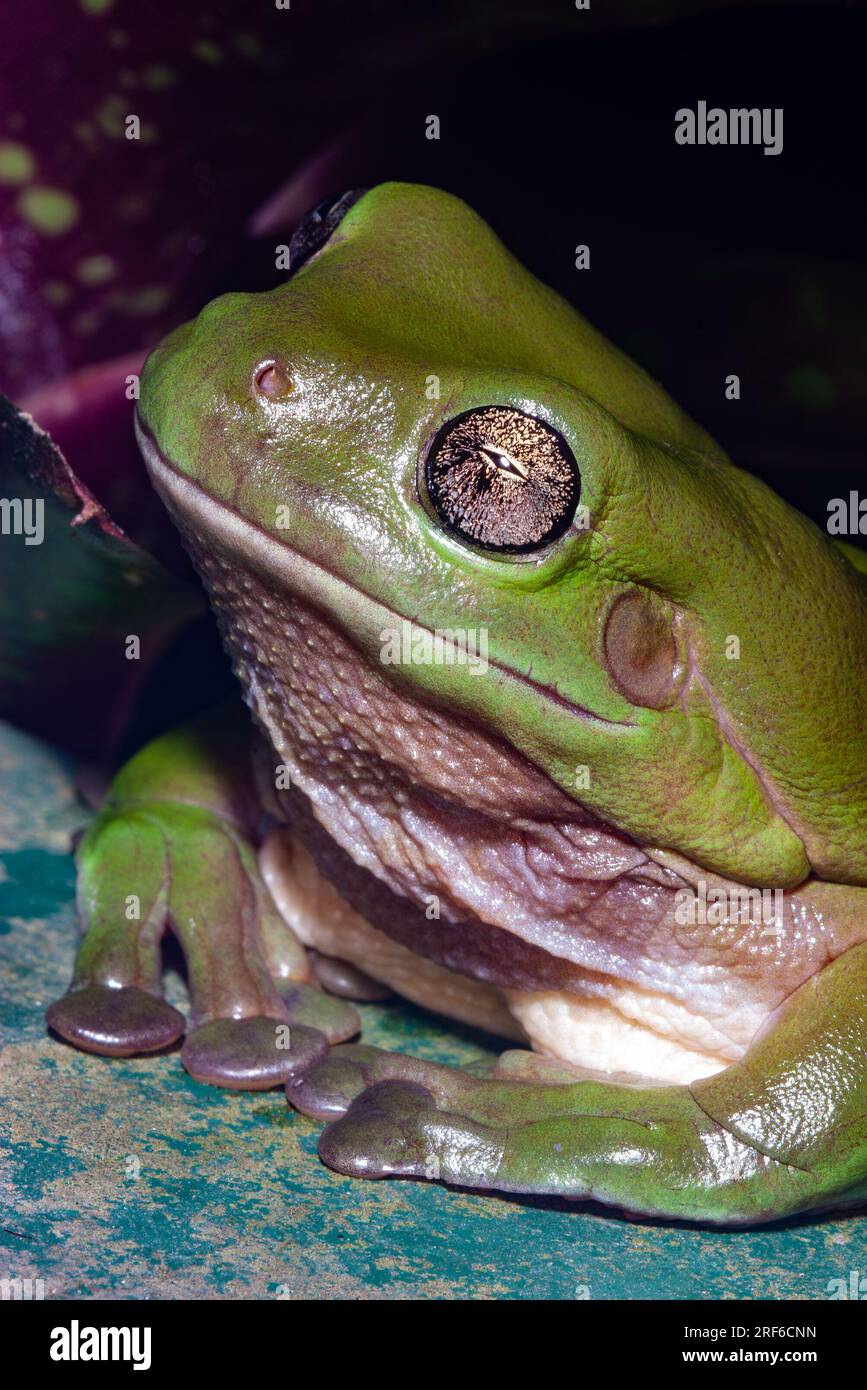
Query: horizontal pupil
x=502 y=479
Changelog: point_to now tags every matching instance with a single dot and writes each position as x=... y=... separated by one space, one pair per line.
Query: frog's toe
x=343 y=978
x=329 y=1088
x=251 y=1054
x=310 y=1006
x=115 y=1005
x=517 y=1064
x=269 y=1049
x=115 y=1022
x=395 y=1130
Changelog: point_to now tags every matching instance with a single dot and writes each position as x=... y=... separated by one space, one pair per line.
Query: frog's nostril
x=318 y=225
x=271 y=379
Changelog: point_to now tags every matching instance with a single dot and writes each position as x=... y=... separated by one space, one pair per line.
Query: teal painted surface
x=126 y=1179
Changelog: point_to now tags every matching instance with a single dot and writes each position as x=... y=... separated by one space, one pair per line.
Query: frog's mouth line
x=312 y=580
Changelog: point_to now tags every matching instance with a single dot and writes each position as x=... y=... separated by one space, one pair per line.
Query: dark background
x=704 y=260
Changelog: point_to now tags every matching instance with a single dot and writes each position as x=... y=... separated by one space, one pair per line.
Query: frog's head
x=413 y=431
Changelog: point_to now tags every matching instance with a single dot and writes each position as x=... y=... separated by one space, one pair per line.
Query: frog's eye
x=502 y=480
x=318 y=226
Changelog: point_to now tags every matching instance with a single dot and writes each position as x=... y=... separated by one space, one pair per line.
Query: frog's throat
x=351 y=607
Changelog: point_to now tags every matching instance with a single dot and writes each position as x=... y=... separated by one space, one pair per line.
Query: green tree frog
x=560 y=731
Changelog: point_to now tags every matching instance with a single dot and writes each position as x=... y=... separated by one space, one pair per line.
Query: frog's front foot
x=171 y=851
x=782 y=1131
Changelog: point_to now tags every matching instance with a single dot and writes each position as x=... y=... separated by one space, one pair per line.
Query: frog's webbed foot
x=150 y=861
x=782 y=1131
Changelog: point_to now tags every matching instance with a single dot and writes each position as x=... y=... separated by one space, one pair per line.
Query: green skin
x=742 y=768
